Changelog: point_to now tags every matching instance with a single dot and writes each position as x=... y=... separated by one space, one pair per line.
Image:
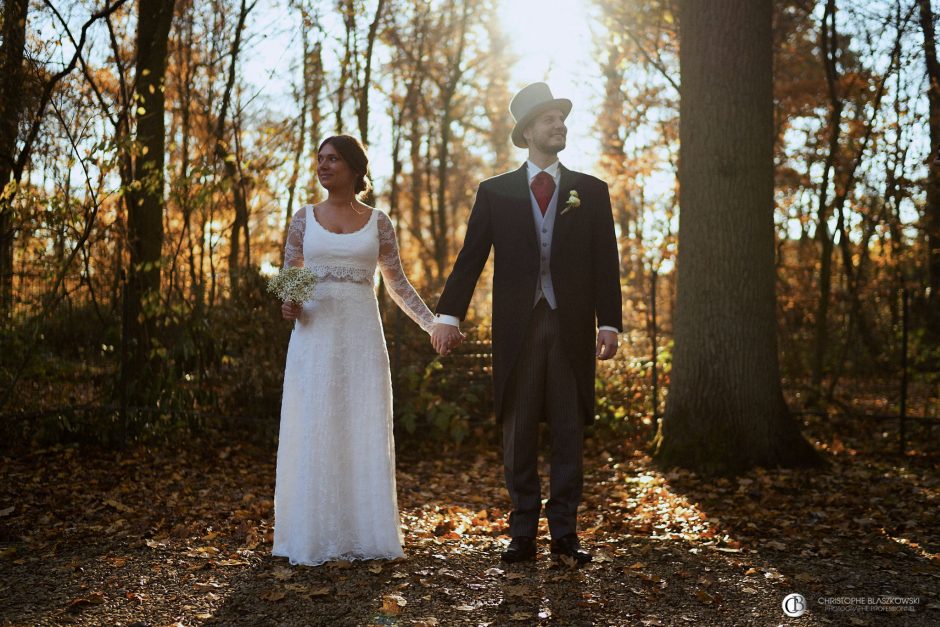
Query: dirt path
x=183 y=538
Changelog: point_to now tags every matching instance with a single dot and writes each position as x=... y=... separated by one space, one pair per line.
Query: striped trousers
x=542 y=386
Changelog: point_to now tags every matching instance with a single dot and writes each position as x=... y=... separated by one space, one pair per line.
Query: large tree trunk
x=11 y=106
x=146 y=200
x=932 y=208
x=725 y=412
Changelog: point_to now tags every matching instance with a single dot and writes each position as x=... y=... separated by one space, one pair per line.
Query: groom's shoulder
x=499 y=180
x=589 y=180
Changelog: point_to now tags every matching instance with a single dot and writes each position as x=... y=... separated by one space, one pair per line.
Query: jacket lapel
x=566 y=184
x=522 y=207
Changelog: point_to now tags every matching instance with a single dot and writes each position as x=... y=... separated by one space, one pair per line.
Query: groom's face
x=547 y=132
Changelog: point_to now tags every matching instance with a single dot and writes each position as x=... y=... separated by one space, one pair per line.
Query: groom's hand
x=606 y=344
x=445 y=337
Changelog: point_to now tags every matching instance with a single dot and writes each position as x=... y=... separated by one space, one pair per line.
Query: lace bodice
x=353 y=257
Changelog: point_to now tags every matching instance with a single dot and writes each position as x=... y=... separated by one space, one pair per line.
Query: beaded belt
x=344 y=274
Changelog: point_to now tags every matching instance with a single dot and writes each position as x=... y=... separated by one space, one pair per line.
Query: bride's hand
x=291 y=310
x=445 y=337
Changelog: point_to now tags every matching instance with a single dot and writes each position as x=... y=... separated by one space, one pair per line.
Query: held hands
x=606 y=344
x=445 y=337
x=291 y=310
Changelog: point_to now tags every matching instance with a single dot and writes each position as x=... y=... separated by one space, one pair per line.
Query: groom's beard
x=551 y=145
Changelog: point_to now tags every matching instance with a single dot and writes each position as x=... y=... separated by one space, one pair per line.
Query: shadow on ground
x=160 y=537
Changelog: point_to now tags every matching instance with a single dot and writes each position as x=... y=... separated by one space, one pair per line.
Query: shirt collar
x=552 y=170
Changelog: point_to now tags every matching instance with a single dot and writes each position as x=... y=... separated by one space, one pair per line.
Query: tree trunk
x=230 y=157
x=11 y=106
x=442 y=234
x=932 y=208
x=416 y=187
x=829 y=46
x=146 y=201
x=314 y=86
x=362 y=108
x=725 y=411
x=301 y=141
x=349 y=22
x=196 y=277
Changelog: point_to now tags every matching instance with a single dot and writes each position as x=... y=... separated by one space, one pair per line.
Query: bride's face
x=332 y=171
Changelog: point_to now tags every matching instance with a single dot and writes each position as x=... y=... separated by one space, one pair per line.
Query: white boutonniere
x=573 y=201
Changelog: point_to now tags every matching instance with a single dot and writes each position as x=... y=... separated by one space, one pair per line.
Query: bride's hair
x=354 y=154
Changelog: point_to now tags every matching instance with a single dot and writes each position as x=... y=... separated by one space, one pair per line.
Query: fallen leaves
x=79 y=603
x=521 y=591
x=392 y=604
x=321 y=591
x=665 y=544
x=273 y=595
x=121 y=507
x=208 y=585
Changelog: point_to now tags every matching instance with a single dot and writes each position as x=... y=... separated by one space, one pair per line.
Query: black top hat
x=528 y=103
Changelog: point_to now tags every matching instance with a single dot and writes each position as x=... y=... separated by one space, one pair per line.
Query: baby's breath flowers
x=294 y=283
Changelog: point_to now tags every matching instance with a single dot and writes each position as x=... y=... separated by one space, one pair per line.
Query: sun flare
x=551 y=41
x=550 y=38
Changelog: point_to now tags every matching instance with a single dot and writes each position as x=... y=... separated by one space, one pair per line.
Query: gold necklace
x=351 y=206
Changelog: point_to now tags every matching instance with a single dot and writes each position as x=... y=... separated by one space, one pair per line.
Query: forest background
x=155 y=151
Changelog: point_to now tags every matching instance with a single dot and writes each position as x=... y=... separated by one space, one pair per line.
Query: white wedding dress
x=335 y=494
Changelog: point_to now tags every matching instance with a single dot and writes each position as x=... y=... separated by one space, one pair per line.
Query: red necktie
x=543 y=186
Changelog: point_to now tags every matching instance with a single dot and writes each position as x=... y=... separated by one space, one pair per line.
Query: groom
x=556 y=274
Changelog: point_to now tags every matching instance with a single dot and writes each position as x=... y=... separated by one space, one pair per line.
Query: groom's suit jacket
x=585 y=270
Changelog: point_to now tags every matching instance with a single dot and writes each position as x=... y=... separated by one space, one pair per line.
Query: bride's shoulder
x=298 y=221
x=381 y=217
x=384 y=226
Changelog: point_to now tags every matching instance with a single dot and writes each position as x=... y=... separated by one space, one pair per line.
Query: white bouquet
x=294 y=283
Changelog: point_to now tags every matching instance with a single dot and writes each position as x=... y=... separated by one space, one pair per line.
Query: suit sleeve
x=458 y=290
x=606 y=260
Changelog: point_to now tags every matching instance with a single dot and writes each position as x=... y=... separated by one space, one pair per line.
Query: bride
x=334 y=494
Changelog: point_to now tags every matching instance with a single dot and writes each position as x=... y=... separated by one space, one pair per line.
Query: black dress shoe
x=521 y=549
x=569 y=546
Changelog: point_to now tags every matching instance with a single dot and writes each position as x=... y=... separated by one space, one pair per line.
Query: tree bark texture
x=932 y=208
x=725 y=411
x=11 y=107
x=146 y=194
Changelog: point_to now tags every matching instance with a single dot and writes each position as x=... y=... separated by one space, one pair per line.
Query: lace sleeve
x=294 y=248
x=399 y=287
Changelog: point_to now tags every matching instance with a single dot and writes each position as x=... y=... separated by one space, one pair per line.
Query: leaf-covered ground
x=183 y=537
